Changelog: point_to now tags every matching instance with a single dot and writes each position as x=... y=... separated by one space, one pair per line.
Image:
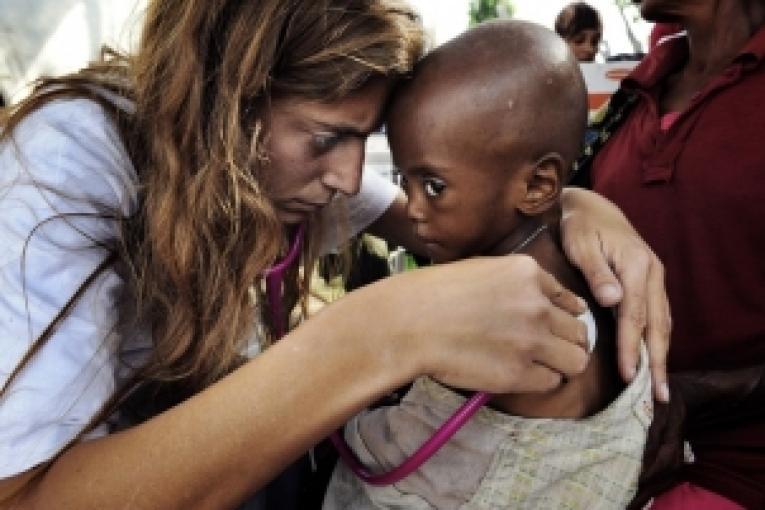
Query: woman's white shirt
x=67 y=159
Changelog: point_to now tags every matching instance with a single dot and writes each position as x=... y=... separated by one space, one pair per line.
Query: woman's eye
x=323 y=142
x=433 y=187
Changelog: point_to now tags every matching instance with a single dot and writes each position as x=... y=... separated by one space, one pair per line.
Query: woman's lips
x=303 y=206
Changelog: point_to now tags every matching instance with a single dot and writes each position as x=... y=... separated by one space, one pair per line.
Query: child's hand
x=622 y=271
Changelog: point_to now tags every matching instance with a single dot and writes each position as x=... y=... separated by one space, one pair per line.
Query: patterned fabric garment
x=498 y=461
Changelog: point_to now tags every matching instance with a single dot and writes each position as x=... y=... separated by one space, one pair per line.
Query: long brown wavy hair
x=198 y=85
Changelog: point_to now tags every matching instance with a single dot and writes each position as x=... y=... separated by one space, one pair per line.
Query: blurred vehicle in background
x=602 y=79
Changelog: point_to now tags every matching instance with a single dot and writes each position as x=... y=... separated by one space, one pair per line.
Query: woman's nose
x=343 y=172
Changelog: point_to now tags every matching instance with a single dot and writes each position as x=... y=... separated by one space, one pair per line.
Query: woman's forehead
x=359 y=111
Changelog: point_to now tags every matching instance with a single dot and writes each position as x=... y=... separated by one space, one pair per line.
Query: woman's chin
x=288 y=217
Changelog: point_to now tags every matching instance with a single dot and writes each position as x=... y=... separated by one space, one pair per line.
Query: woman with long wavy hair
x=143 y=199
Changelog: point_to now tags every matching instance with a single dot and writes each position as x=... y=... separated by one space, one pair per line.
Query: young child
x=484 y=136
x=580 y=26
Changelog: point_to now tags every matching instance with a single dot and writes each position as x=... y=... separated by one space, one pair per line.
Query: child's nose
x=414 y=208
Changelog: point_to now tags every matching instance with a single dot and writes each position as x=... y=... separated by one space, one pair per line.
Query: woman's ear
x=543 y=185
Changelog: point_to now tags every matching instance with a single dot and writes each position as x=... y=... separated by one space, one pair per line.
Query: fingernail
x=609 y=292
x=582 y=303
x=664 y=392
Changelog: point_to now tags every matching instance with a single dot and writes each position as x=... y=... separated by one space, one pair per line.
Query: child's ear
x=543 y=185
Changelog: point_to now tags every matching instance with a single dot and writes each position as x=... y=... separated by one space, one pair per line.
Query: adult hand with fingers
x=474 y=330
x=553 y=346
x=508 y=325
x=622 y=271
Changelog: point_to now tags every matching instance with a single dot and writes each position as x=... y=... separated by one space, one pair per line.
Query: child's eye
x=324 y=141
x=433 y=186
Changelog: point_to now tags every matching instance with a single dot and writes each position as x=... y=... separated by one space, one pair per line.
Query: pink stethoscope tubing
x=274 y=281
x=423 y=453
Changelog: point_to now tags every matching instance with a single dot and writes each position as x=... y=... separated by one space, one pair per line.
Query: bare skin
x=239 y=423
x=620 y=269
x=643 y=311
x=476 y=182
x=252 y=424
x=717 y=31
x=584 y=44
x=591 y=391
x=254 y=418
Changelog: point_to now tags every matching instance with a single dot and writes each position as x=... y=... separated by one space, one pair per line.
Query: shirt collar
x=672 y=53
x=755 y=48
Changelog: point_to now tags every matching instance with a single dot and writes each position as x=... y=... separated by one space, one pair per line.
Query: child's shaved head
x=505 y=86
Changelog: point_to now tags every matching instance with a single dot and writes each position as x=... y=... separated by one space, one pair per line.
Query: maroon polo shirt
x=696 y=193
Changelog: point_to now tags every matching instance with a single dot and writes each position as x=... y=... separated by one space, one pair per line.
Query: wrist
x=372 y=329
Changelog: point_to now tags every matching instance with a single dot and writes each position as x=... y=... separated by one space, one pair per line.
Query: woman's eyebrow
x=345 y=129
